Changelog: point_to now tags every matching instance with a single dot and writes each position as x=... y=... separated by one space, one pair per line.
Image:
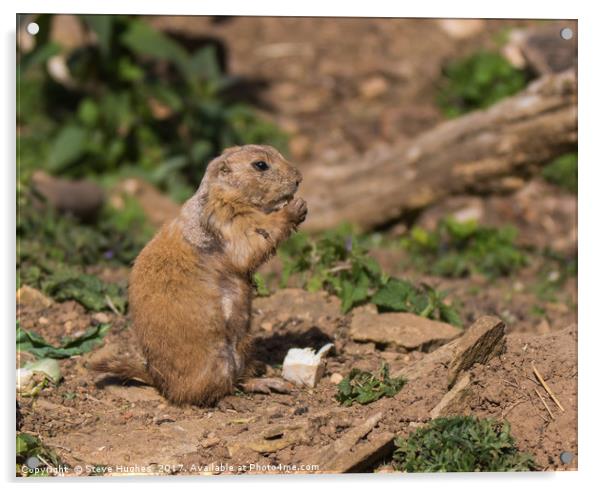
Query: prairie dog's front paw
x=297 y=210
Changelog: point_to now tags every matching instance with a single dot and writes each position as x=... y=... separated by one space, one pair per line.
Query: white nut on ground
x=304 y=367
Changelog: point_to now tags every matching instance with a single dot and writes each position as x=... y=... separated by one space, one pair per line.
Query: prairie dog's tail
x=124 y=369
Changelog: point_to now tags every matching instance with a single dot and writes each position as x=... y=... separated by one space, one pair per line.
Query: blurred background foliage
x=135 y=101
x=478 y=81
x=132 y=102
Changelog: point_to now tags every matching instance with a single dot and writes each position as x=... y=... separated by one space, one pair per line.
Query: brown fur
x=190 y=288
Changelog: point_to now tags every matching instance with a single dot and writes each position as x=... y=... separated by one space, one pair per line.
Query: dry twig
x=544 y=403
x=545 y=386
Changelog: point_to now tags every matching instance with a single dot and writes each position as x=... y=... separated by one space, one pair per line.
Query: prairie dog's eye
x=261 y=165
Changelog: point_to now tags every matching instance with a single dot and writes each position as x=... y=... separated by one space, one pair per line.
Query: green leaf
x=88 y=112
x=34 y=343
x=68 y=146
x=47 y=366
x=364 y=387
x=38 y=56
x=102 y=25
x=90 y=291
x=203 y=64
x=144 y=40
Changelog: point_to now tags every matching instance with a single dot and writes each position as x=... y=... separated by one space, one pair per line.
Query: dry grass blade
x=545 y=386
x=111 y=305
x=544 y=403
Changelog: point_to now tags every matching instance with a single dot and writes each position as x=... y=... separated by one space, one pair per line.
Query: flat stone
x=270 y=440
x=133 y=393
x=364 y=454
x=35 y=299
x=485 y=339
x=344 y=455
x=295 y=303
x=404 y=330
x=452 y=402
x=209 y=442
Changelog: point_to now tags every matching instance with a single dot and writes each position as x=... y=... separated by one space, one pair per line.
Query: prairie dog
x=190 y=287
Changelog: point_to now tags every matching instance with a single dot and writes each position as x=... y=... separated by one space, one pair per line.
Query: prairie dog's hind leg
x=267 y=385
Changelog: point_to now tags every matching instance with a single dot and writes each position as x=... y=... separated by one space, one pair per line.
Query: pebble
x=209 y=442
x=567 y=457
x=101 y=318
x=336 y=378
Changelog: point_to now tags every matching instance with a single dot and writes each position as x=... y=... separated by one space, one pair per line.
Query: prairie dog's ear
x=224 y=166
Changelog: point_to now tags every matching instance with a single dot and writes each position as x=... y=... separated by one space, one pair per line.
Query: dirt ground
x=338 y=91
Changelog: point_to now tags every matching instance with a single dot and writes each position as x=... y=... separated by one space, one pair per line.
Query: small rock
x=567 y=457
x=43 y=321
x=267 y=326
x=485 y=339
x=353 y=452
x=209 y=442
x=35 y=299
x=307 y=306
x=304 y=366
x=276 y=440
x=404 y=330
x=373 y=87
x=336 y=378
x=452 y=401
x=101 y=318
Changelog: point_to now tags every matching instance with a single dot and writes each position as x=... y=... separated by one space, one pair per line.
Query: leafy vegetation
x=478 y=81
x=53 y=251
x=365 y=387
x=402 y=296
x=339 y=262
x=562 y=172
x=33 y=457
x=456 y=249
x=134 y=99
x=70 y=346
x=461 y=444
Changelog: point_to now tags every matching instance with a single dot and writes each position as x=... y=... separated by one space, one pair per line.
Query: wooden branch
x=474 y=153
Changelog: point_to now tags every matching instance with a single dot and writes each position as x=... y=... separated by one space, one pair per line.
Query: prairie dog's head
x=257 y=175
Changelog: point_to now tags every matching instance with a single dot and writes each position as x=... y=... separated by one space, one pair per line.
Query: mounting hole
x=566 y=33
x=33 y=28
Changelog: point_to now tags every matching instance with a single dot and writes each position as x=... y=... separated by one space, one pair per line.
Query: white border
x=590 y=240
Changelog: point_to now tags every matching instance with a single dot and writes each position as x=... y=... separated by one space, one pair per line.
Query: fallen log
x=484 y=151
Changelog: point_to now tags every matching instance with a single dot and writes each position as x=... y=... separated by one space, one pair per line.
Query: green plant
x=456 y=249
x=261 y=286
x=402 y=296
x=461 y=444
x=562 y=171
x=53 y=251
x=135 y=99
x=478 y=81
x=339 y=262
x=365 y=387
x=33 y=457
x=70 y=346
